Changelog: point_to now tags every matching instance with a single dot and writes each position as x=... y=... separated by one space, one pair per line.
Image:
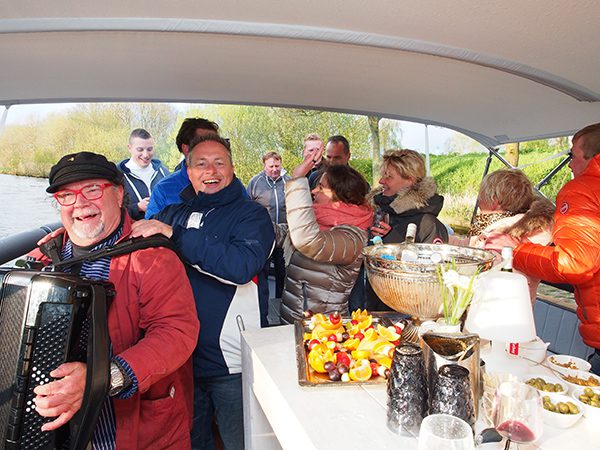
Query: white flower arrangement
x=457 y=291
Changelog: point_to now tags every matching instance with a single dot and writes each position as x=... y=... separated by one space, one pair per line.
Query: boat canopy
x=497 y=71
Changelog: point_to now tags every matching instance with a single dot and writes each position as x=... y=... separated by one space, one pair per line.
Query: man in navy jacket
x=141 y=172
x=225 y=239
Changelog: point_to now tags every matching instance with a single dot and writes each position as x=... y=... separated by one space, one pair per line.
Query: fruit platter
x=332 y=350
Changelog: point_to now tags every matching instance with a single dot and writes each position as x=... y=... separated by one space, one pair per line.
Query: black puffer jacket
x=419 y=204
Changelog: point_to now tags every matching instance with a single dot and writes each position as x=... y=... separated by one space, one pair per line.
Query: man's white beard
x=87 y=232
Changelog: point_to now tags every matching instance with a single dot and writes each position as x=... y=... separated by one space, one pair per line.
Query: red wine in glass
x=517 y=413
x=516 y=431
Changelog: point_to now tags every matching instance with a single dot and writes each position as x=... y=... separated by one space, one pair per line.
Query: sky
x=413 y=134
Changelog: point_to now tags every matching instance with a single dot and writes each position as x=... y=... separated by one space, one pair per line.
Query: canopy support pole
x=553 y=172
x=427 y=162
x=3 y=118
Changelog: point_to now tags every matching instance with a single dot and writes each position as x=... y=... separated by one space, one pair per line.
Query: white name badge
x=194 y=220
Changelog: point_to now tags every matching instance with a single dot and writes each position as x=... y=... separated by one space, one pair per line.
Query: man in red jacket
x=575 y=256
x=152 y=321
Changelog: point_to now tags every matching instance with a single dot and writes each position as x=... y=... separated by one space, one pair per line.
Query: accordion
x=46 y=319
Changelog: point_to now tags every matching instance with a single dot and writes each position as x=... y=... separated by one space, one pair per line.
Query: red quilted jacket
x=153 y=325
x=575 y=256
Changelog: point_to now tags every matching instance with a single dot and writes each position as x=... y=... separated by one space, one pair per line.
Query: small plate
x=589 y=411
x=558 y=420
x=564 y=363
x=582 y=375
x=548 y=379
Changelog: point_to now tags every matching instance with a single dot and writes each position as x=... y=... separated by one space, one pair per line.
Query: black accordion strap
x=121 y=248
x=97 y=381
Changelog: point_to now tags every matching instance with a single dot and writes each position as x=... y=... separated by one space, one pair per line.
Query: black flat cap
x=82 y=166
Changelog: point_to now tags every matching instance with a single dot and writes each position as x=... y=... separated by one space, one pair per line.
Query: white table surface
x=278 y=413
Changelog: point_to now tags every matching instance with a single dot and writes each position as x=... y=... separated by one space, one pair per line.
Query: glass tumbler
x=407 y=390
x=452 y=393
x=445 y=432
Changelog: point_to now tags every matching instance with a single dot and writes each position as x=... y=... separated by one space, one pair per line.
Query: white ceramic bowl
x=581 y=374
x=591 y=412
x=547 y=379
x=558 y=420
x=558 y=363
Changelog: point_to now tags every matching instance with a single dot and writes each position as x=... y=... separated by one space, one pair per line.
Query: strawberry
x=342 y=358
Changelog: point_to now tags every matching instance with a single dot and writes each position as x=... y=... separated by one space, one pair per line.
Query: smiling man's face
x=210 y=168
x=90 y=221
x=141 y=150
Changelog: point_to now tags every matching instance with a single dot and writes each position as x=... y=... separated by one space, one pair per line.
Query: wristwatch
x=117 y=380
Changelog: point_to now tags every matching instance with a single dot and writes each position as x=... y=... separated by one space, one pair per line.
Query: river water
x=24 y=204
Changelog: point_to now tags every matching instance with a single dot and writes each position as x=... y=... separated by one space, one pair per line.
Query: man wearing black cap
x=152 y=321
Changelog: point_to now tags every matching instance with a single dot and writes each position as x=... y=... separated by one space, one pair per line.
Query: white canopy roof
x=497 y=71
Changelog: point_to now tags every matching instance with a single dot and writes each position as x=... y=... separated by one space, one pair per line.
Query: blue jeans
x=594 y=360
x=218 y=398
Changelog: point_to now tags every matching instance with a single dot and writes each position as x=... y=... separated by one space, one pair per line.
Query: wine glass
x=517 y=413
x=445 y=432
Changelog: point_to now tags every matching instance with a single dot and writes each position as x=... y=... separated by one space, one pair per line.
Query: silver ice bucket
x=413 y=287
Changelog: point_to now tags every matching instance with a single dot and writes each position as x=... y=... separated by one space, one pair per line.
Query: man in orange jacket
x=575 y=256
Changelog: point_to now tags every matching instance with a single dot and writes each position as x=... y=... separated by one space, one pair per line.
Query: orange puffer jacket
x=575 y=256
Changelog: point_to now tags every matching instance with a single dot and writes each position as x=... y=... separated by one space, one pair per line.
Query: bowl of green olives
x=546 y=384
x=589 y=398
x=561 y=411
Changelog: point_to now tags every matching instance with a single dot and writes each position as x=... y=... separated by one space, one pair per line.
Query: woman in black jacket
x=405 y=196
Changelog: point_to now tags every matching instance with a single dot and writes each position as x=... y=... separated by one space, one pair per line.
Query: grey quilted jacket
x=322 y=265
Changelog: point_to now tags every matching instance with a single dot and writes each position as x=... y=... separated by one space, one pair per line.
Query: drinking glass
x=445 y=432
x=517 y=412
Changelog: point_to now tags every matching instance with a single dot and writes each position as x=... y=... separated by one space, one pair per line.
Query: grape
x=329 y=366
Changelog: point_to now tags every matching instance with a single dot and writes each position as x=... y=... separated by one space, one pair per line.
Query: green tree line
x=33 y=148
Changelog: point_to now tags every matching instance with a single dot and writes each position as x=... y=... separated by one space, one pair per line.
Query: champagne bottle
x=507 y=259
x=409 y=251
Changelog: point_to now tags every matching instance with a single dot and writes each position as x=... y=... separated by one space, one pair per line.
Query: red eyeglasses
x=93 y=191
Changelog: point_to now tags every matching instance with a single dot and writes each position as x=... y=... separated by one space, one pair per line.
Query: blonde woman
x=406 y=195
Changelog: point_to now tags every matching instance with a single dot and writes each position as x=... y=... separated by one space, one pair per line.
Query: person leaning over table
x=508 y=204
x=152 y=321
x=574 y=257
x=323 y=248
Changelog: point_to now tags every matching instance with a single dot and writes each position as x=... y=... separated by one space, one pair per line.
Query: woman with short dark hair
x=323 y=248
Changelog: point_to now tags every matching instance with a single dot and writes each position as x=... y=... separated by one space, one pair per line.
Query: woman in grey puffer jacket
x=323 y=248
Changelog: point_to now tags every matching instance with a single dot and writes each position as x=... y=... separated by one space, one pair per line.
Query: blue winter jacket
x=167 y=191
x=225 y=239
x=137 y=189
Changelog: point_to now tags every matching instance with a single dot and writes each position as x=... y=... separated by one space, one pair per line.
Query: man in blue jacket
x=167 y=191
x=141 y=172
x=225 y=239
